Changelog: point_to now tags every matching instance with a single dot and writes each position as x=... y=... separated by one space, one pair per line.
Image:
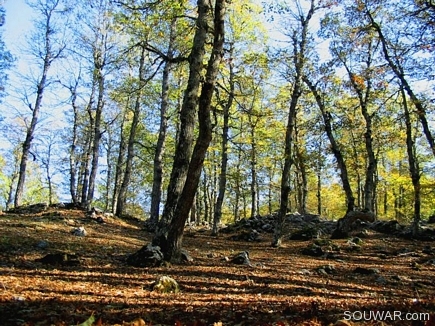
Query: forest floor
x=281 y=287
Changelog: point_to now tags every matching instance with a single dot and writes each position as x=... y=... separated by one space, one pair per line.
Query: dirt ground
x=282 y=287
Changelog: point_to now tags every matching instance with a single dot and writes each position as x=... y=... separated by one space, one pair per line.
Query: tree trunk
x=183 y=150
x=414 y=169
x=400 y=74
x=97 y=131
x=120 y=162
x=73 y=147
x=253 y=164
x=175 y=233
x=335 y=148
x=364 y=95
x=299 y=49
x=156 y=192
x=31 y=128
x=122 y=195
x=48 y=55
x=224 y=155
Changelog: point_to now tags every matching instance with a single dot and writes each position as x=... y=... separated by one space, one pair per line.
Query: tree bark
x=49 y=56
x=183 y=150
x=224 y=148
x=413 y=166
x=97 y=134
x=299 y=49
x=364 y=100
x=176 y=229
x=73 y=147
x=335 y=148
x=156 y=192
x=120 y=162
x=400 y=74
x=122 y=195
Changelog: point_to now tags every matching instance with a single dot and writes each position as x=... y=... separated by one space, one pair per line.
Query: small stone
x=80 y=231
x=42 y=244
x=365 y=271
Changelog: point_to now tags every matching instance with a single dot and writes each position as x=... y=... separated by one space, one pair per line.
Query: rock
x=365 y=271
x=352 y=221
x=147 y=256
x=166 y=284
x=339 y=234
x=80 y=232
x=185 y=256
x=305 y=272
x=42 y=244
x=355 y=240
x=326 y=269
x=62 y=259
x=29 y=209
x=381 y=280
x=428 y=250
x=242 y=258
x=267 y=228
x=252 y=236
x=313 y=250
x=387 y=227
x=307 y=233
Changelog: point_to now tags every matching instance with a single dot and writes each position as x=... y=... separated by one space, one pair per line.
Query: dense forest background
x=336 y=96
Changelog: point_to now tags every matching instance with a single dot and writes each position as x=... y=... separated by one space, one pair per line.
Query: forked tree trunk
x=185 y=136
x=184 y=204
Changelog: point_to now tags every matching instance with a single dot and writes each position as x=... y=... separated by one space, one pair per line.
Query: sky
x=18 y=22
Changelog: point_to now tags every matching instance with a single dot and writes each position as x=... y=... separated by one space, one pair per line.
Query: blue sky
x=18 y=22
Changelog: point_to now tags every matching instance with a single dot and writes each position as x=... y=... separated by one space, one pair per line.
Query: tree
x=187 y=169
x=300 y=39
x=6 y=58
x=46 y=46
x=335 y=147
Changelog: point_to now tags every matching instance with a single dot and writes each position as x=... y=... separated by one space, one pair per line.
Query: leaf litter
x=281 y=287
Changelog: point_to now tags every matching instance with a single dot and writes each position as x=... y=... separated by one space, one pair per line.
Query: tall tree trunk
x=413 y=166
x=87 y=155
x=31 y=128
x=253 y=164
x=335 y=148
x=175 y=232
x=364 y=95
x=120 y=162
x=122 y=195
x=183 y=150
x=48 y=55
x=400 y=74
x=156 y=192
x=301 y=175
x=97 y=134
x=73 y=147
x=299 y=49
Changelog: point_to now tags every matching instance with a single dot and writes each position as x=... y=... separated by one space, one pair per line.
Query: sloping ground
x=282 y=287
